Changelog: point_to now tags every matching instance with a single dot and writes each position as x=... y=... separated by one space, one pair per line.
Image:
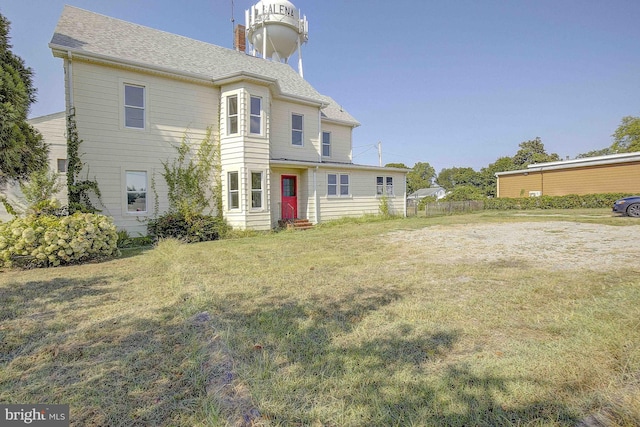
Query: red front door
x=289 y=197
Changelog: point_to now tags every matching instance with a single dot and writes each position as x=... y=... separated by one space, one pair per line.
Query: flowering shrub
x=193 y=228
x=47 y=240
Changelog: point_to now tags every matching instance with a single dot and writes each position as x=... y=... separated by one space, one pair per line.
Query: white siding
x=340 y=142
x=173 y=110
x=280 y=136
x=362 y=199
x=245 y=153
x=53 y=128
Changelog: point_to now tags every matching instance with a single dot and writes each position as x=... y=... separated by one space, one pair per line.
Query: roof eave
x=60 y=51
x=353 y=124
x=330 y=165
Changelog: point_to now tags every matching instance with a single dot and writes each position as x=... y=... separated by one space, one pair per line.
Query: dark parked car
x=628 y=206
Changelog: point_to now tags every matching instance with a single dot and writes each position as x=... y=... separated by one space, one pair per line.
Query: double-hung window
x=255 y=116
x=384 y=186
x=389 y=185
x=380 y=185
x=256 y=190
x=233 y=190
x=338 y=185
x=326 y=144
x=134 y=106
x=297 y=123
x=136 y=182
x=232 y=114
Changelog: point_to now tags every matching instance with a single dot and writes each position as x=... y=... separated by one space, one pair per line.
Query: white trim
x=122 y=107
x=125 y=199
x=338 y=185
x=263 y=203
x=292 y=129
x=577 y=163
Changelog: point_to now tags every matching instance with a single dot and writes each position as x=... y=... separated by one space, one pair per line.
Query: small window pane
x=233 y=125
x=296 y=121
x=134 y=96
x=256 y=180
x=333 y=179
x=136 y=191
x=62 y=165
x=134 y=117
x=256 y=126
x=234 y=201
x=233 y=181
x=256 y=106
x=233 y=105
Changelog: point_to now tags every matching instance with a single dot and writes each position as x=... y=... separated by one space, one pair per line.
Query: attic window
x=134 y=106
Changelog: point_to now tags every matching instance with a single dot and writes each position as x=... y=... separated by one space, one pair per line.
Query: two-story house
x=286 y=150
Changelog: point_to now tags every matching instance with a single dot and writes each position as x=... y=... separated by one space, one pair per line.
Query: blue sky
x=453 y=83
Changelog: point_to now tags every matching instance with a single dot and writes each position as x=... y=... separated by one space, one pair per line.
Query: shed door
x=289 y=197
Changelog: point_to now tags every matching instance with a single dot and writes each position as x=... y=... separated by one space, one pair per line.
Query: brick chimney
x=239 y=38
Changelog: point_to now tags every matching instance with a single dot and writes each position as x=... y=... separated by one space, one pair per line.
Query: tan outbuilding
x=616 y=173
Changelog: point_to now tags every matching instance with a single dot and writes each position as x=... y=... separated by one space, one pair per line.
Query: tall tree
x=626 y=138
x=488 y=174
x=22 y=149
x=449 y=178
x=532 y=152
x=420 y=176
x=397 y=165
x=595 y=153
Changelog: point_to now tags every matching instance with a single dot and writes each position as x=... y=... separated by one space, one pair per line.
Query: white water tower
x=275 y=30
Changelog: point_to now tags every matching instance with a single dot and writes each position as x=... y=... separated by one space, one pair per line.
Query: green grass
x=334 y=326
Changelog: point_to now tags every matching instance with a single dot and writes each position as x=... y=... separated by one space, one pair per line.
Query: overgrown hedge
x=47 y=240
x=570 y=201
x=194 y=228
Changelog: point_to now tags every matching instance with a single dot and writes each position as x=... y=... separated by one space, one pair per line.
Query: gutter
x=573 y=164
x=62 y=51
x=326 y=165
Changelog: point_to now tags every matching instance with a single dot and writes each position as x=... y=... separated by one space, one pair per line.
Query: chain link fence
x=444 y=208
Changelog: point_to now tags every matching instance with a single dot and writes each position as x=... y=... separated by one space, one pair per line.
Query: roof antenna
x=233 y=23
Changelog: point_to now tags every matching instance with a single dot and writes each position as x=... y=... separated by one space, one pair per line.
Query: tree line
x=465 y=183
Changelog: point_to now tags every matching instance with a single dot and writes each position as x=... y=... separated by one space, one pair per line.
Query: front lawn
x=335 y=326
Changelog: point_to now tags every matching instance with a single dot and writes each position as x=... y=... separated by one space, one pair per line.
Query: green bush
x=125 y=241
x=193 y=228
x=47 y=240
x=570 y=201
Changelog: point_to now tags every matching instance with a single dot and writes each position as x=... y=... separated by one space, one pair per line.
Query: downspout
x=320 y=135
x=315 y=171
x=69 y=81
x=315 y=194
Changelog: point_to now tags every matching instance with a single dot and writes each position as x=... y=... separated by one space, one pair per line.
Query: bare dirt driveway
x=553 y=245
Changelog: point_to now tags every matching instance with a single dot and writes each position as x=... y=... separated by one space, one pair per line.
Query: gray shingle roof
x=84 y=32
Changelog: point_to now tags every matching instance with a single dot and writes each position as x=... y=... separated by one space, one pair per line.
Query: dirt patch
x=552 y=245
